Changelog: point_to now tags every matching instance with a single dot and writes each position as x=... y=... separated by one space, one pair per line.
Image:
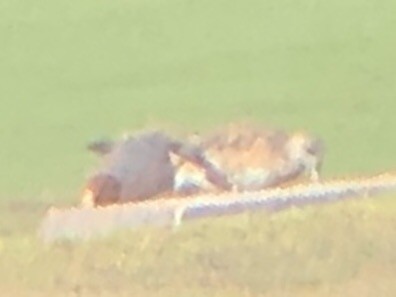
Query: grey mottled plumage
x=139 y=167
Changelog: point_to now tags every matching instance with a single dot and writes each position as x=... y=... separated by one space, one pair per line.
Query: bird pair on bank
x=240 y=157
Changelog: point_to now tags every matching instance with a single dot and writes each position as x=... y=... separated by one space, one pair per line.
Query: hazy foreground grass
x=339 y=250
x=72 y=70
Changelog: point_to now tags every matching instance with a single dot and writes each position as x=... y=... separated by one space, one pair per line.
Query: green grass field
x=74 y=70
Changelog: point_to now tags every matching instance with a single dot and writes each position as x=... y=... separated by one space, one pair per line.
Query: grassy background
x=73 y=70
